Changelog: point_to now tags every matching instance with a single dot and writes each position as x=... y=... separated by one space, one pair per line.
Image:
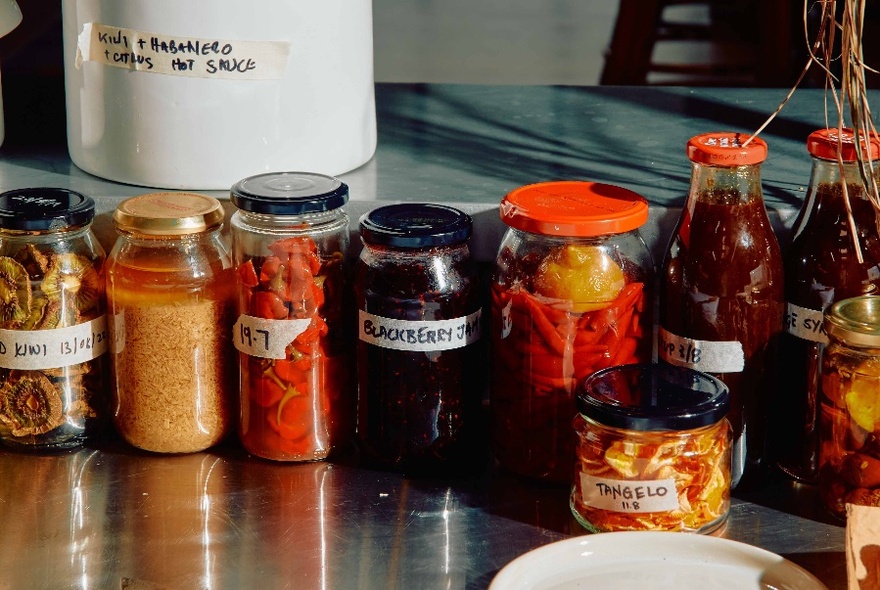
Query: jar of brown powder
x=171 y=303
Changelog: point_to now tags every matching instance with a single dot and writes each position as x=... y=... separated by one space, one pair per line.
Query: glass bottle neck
x=726 y=185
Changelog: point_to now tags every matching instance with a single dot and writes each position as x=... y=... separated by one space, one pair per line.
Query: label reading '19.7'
x=264 y=338
x=419 y=335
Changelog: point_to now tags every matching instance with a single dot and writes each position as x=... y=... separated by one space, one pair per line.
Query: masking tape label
x=181 y=56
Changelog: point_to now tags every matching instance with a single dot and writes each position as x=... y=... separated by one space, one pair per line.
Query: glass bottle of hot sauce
x=826 y=262
x=721 y=298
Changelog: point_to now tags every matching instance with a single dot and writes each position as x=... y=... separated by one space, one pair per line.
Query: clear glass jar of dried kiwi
x=53 y=333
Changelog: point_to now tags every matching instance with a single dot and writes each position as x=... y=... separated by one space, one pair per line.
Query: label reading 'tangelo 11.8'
x=419 y=335
x=616 y=495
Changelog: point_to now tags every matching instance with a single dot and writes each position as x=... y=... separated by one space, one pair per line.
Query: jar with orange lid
x=721 y=293
x=832 y=257
x=572 y=293
x=171 y=295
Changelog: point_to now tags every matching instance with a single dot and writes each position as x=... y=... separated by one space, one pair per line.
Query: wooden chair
x=758 y=34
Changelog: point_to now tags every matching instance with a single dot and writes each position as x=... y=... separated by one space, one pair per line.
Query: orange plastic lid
x=726 y=149
x=573 y=208
x=825 y=143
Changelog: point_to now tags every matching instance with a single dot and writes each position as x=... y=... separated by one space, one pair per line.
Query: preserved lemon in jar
x=849 y=411
x=571 y=294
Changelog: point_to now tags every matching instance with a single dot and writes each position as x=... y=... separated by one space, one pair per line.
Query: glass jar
x=572 y=293
x=419 y=329
x=827 y=261
x=849 y=406
x=653 y=450
x=721 y=301
x=289 y=238
x=53 y=327
x=171 y=300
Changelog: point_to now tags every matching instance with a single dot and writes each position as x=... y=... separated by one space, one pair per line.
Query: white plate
x=643 y=560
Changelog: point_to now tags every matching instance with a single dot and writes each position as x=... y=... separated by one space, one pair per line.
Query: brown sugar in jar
x=170 y=291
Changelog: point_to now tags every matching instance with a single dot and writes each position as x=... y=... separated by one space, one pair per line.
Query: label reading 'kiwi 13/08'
x=53 y=349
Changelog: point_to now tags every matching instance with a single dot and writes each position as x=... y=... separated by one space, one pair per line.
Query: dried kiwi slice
x=72 y=278
x=34 y=262
x=39 y=305
x=15 y=292
x=30 y=404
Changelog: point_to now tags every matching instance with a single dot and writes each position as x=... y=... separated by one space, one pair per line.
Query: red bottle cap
x=574 y=208
x=825 y=144
x=726 y=149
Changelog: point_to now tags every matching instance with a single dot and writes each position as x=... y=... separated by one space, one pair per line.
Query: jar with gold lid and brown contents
x=171 y=304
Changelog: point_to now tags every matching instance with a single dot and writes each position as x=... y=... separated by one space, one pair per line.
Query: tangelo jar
x=849 y=406
x=653 y=450
x=571 y=294
x=171 y=305
x=53 y=334
x=419 y=328
x=290 y=236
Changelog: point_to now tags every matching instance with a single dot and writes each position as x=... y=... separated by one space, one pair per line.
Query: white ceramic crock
x=305 y=102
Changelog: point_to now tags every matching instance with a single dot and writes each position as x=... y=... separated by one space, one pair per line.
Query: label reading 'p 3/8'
x=703 y=355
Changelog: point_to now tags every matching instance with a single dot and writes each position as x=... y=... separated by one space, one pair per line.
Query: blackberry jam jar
x=419 y=328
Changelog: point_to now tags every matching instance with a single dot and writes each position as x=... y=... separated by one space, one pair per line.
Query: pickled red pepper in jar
x=420 y=358
x=849 y=406
x=826 y=262
x=571 y=294
x=721 y=298
x=653 y=450
x=290 y=236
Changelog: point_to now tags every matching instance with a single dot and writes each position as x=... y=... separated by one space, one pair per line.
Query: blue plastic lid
x=44 y=209
x=650 y=397
x=415 y=225
x=289 y=193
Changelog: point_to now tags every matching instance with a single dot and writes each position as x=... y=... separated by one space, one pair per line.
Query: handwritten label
x=506 y=320
x=53 y=349
x=419 y=335
x=618 y=495
x=264 y=338
x=181 y=56
x=704 y=355
x=805 y=323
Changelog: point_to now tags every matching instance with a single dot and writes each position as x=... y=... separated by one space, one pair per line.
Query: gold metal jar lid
x=855 y=321
x=169 y=214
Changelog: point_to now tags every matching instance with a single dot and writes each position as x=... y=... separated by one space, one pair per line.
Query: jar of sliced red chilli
x=571 y=294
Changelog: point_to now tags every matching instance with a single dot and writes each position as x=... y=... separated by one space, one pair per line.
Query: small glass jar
x=572 y=293
x=290 y=237
x=653 y=450
x=53 y=327
x=849 y=406
x=419 y=329
x=171 y=300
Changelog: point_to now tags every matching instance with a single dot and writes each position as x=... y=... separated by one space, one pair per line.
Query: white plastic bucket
x=198 y=94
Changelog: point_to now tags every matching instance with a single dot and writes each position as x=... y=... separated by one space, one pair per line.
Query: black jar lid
x=289 y=193
x=44 y=209
x=415 y=225
x=653 y=397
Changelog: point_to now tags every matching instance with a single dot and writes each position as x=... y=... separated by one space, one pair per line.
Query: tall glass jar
x=290 y=237
x=53 y=328
x=571 y=294
x=849 y=406
x=420 y=360
x=721 y=301
x=832 y=256
x=171 y=303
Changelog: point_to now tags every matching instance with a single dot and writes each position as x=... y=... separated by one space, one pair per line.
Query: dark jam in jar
x=420 y=361
x=822 y=265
